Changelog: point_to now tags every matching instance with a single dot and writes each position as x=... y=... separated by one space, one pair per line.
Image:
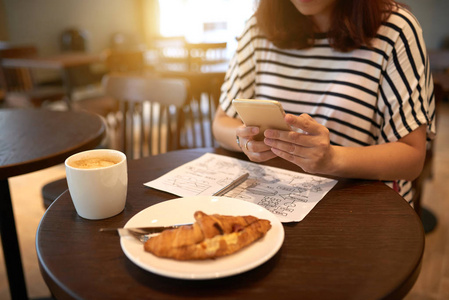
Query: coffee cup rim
x=87 y=152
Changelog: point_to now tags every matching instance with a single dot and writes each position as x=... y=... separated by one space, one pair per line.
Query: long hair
x=353 y=23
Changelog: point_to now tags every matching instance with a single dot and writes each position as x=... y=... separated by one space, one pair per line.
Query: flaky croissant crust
x=211 y=236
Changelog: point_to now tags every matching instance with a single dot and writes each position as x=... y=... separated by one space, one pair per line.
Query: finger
x=299 y=151
x=246 y=131
x=283 y=139
x=249 y=145
x=257 y=151
x=297 y=160
x=261 y=156
x=308 y=159
x=305 y=123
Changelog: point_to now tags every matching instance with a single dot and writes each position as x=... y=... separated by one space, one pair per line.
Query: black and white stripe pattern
x=371 y=95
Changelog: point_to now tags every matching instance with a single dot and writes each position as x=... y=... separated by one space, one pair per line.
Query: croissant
x=211 y=236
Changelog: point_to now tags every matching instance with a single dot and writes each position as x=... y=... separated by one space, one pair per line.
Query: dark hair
x=354 y=23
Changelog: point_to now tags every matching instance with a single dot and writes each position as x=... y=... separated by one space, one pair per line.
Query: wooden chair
x=209 y=60
x=21 y=88
x=151 y=113
x=205 y=91
x=204 y=66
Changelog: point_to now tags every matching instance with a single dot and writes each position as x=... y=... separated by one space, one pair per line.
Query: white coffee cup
x=98 y=182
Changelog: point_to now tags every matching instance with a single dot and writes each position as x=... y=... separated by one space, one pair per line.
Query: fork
x=139 y=235
x=142 y=233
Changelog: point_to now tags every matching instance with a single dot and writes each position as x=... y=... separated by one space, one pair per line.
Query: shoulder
x=402 y=20
x=250 y=30
x=251 y=37
x=401 y=32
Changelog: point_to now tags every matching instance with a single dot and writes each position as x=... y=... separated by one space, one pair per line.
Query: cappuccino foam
x=95 y=162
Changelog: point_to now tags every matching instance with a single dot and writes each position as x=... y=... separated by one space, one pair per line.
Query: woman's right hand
x=256 y=151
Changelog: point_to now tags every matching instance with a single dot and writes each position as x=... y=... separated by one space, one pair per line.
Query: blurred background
x=41 y=22
x=96 y=26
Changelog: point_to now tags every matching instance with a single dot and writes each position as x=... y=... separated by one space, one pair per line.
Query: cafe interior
x=79 y=55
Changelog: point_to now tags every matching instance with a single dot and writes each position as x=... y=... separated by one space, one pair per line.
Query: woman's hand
x=310 y=150
x=256 y=151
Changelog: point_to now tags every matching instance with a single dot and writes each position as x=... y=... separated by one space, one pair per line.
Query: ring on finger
x=246 y=145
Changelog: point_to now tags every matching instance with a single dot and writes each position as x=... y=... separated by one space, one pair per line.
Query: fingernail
x=267 y=133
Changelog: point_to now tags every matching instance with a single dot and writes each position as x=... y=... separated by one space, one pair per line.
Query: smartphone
x=264 y=114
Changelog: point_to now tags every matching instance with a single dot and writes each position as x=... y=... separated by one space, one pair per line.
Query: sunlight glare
x=187 y=18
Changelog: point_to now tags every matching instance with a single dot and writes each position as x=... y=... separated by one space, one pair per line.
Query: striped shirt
x=371 y=95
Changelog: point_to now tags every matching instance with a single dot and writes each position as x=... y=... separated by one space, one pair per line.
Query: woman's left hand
x=256 y=151
x=310 y=150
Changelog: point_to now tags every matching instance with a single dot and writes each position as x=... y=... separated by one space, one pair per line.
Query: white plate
x=181 y=211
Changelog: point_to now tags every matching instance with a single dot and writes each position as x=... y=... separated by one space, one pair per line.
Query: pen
x=232 y=185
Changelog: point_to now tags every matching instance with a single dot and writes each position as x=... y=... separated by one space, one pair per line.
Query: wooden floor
x=433 y=282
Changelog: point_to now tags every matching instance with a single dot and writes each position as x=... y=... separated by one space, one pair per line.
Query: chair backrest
x=205 y=90
x=17 y=79
x=151 y=112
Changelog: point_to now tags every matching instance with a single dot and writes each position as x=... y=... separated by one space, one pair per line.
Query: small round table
x=30 y=140
x=361 y=241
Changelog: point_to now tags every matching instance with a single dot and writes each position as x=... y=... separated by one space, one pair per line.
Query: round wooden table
x=31 y=140
x=361 y=241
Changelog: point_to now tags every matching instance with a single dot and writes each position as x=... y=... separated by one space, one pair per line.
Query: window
x=205 y=20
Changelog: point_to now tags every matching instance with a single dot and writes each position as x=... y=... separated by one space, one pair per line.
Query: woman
x=353 y=75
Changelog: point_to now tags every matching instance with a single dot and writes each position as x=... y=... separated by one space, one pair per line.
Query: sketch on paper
x=289 y=195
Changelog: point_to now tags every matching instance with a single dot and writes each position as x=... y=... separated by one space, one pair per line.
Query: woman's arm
x=312 y=152
x=224 y=129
